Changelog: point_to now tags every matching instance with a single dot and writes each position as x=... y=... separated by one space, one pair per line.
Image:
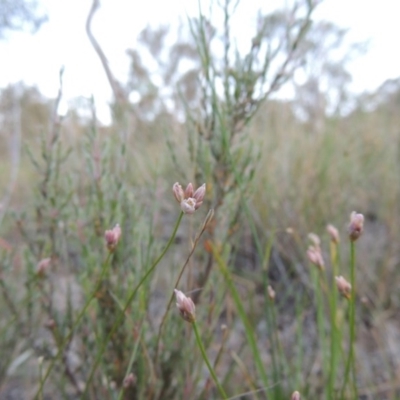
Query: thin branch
x=15 y=152
x=118 y=91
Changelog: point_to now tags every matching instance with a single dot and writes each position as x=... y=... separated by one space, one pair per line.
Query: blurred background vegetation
x=194 y=108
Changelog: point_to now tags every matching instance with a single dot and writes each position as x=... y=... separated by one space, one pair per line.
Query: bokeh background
x=291 y=117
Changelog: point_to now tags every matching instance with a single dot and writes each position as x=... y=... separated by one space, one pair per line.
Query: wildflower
x=356 y=226
x=189 y=199
x=112 y=237
x=343 y=286
x=295 y=396
x=43 y=267
x=333 y=233
x=185 y=306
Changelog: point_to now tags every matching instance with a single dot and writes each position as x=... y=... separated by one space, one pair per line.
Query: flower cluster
x=189 y=199
x=112 y=237
x=356 y=226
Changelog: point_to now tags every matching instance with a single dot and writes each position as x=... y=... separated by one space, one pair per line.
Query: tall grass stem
x=128 y=302
x=206 y=360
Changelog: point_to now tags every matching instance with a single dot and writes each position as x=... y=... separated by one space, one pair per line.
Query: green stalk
x=299 y=367
x=210 y=368
x=242 y=313
x=131 y=360
x=128 y=302
x=209 y=217
x=75 y=324
x=40 y=394
x=277 y=356
x=353 y=317
x=351 y=364
x=335 y=337
x=320 y=323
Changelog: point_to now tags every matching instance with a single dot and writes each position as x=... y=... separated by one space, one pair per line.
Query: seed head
x=185 y=306
x=356 y=226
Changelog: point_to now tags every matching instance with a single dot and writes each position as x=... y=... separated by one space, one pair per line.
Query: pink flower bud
x=43 y=267
x=315 y=257
x=185 y=306
x=271 y=293
x=333 y=233
x=129 y=381
x=199 y=195
x=112 y=237
x=314 y=239
x=356 y=226
x=50 y=324
x=189 y=191
x=178 y=192
x=295 y=396
x=343 y=286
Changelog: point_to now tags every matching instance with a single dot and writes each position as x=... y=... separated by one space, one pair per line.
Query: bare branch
x=118 y=91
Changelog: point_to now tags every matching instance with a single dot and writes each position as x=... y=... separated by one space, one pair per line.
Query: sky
x=62 y=41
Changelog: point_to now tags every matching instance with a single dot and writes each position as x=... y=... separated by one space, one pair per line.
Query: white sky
x=36 y=59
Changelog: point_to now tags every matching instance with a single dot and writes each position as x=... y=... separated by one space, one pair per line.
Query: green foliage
x=85 y=319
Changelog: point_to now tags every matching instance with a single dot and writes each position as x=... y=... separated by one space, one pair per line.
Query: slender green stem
x=351 y=363
x=353 y=317
x=40 y=394
x=131 y=360
x=210 y=368
x=299 y=363
x=277 y=356
x=75 y=324
x=335 y=337
x=242 y=313
x=120 y=317
x=196 y=241
x=320 y=322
